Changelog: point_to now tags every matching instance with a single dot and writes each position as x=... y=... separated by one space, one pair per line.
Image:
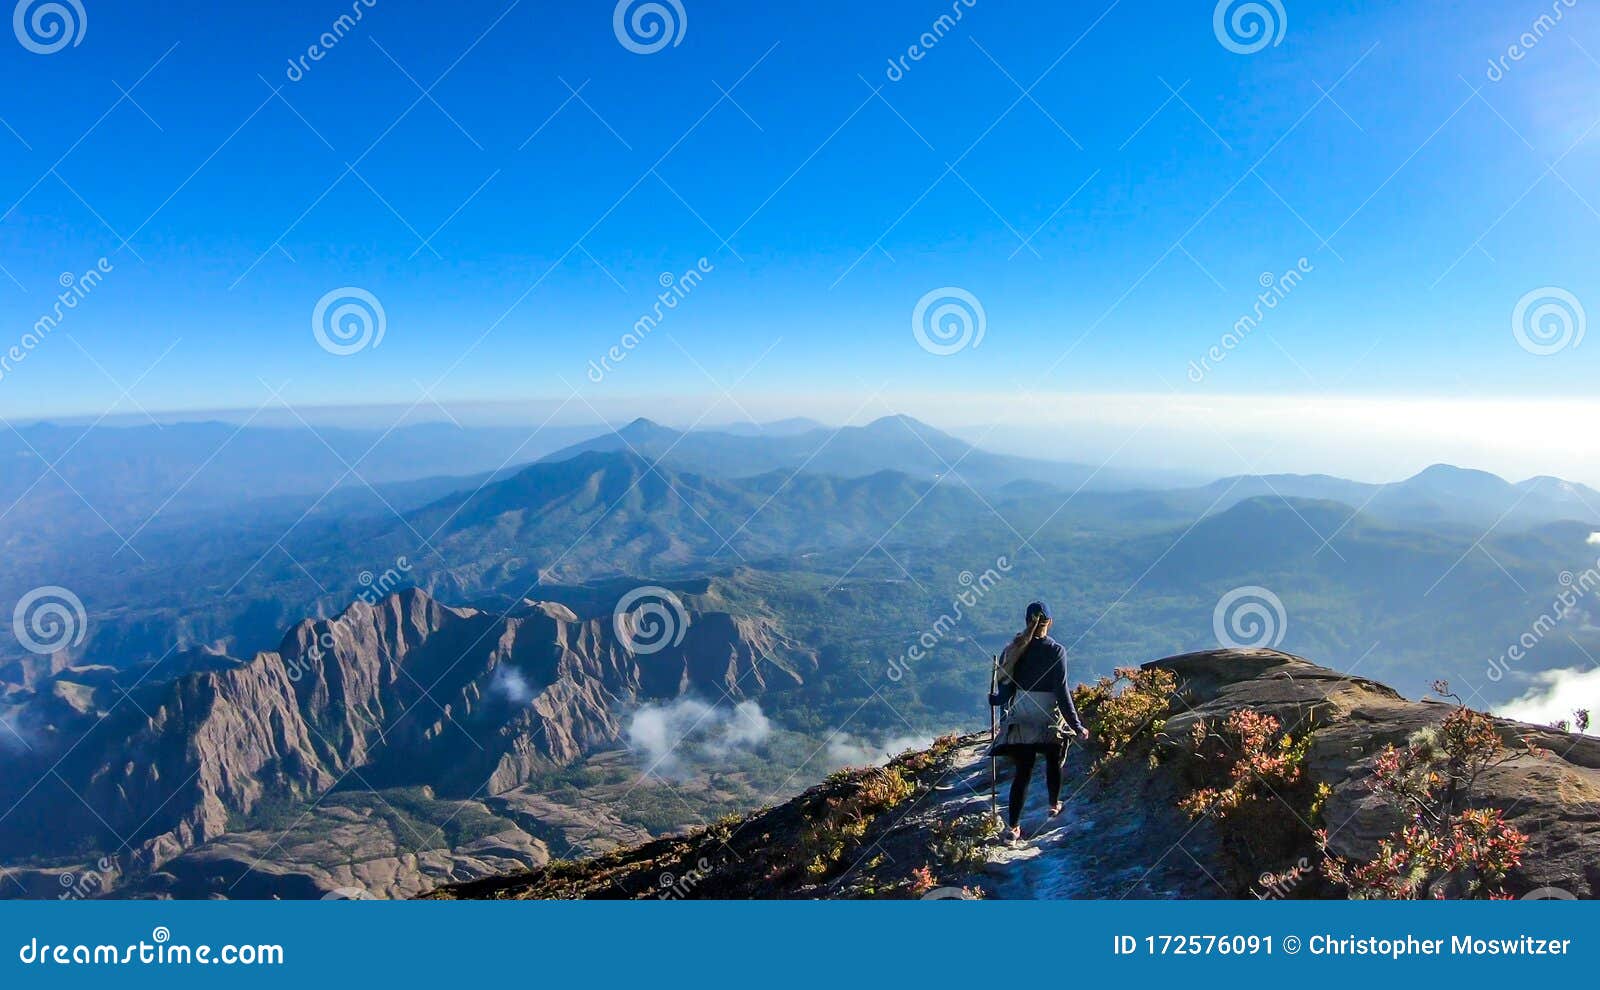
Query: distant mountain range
x=1439 y=494
x=893 y=443
x=812 y=562
x=648 y=500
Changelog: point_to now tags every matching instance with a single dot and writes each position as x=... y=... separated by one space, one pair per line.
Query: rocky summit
x=923 y=826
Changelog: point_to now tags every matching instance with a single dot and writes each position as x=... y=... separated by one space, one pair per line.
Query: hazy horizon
x=1217 y=437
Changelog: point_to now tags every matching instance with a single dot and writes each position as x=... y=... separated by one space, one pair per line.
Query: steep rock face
x=402 y=692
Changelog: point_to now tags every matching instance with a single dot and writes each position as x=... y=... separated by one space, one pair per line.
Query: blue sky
x=1112 y=229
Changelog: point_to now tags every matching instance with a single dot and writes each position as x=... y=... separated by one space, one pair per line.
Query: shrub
x=963 y=839
x=1578 y=723
x=1125 y=708
x=1253 y=784
x=1263 y=757
x=846 y=818
x=1447 y=848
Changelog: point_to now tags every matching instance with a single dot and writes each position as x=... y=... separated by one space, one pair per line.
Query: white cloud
x=1555 y=696
x=667 y=735
x=13 y=737
x=845 y=750
x=509 y=683
x=1594 y=539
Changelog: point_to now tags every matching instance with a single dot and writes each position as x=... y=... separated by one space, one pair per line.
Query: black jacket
x=1042 y=667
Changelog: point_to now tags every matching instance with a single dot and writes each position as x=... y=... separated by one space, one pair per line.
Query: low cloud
x=1555 y=696
x=849 y=751
x=1594 y=539
x=15 y=739
x=667 y=736
x=510 y=684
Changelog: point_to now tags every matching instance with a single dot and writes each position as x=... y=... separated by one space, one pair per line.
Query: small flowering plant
x=1447 y=847
x=1265 y=759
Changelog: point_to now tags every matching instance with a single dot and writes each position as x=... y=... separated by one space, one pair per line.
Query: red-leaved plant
x=1447 y=848
x=1264 y=757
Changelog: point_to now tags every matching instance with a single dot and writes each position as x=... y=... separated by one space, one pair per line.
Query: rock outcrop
x=923 y=824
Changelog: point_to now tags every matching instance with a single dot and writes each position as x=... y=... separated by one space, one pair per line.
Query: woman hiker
x=1039 y=712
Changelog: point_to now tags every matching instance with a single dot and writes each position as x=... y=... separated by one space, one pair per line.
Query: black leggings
x=1024 y=759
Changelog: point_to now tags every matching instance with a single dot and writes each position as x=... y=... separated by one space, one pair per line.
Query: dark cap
x=1038 y=610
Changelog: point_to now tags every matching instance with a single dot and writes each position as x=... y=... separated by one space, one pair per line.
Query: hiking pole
x=994 y=772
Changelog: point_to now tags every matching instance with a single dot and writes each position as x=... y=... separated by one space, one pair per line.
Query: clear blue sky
x=825 y=211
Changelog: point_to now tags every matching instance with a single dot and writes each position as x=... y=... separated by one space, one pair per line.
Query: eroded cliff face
x=1122 y=833
x=404 y=692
